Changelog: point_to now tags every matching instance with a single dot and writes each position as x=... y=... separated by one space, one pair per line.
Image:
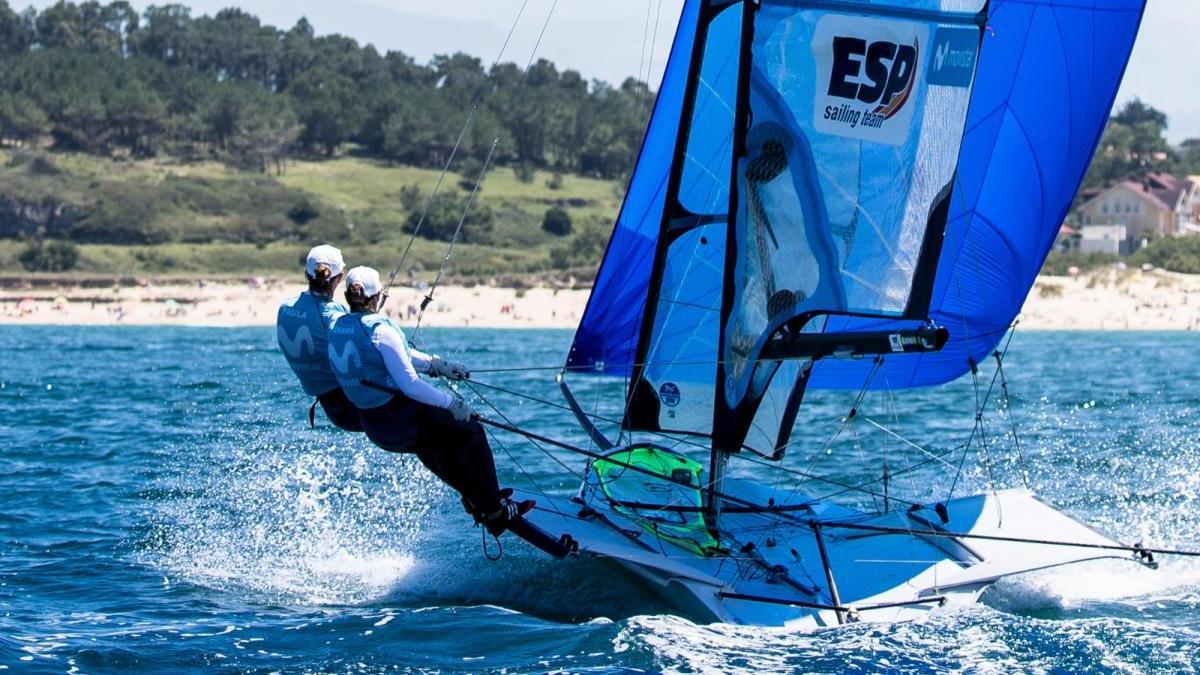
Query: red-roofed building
x=1159 y=205
x=1067 y=239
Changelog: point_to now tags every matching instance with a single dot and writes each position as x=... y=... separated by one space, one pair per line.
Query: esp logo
x=873 y=72
x=869 y=74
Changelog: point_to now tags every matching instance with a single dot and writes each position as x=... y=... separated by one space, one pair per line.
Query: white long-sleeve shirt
x=404 y=362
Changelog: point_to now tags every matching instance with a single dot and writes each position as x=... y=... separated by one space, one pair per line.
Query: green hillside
x=162 y=216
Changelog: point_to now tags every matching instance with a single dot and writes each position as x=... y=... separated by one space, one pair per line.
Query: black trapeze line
x=849 y=609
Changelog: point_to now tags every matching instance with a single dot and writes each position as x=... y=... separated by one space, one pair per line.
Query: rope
x=1144 y=552
x=632 y=365
x=487 y=553
x=1007 y=408
x=847 y=487
x=483 y=172
x=479 y=96
x=847 y=419
x=508 y=421
x=453 y=239
x=980 y=408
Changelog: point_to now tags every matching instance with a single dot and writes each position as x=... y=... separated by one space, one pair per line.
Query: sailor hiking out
x=302 y=329
x=401 y=412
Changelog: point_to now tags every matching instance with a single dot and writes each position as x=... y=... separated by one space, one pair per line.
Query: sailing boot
x=504 y=493
x=510 y=510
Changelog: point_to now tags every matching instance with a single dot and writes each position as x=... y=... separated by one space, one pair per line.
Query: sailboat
x=831 y=194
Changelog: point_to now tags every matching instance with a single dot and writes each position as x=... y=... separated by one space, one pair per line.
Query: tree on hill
x=327 y=105
x=137 y=117
x=16 y=31
x=1136 y=112
x=57 y=256
x=264 y=139
x=110 y=80
x=445 y=212
x=1134 y=143
x=21 y=120
x=557 y=221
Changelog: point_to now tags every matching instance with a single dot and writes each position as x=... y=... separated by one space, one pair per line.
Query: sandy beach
x=1104 y=300
x=254 y=302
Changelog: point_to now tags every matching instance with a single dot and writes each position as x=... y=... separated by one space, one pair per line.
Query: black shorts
x=457 y=452
x=340 y=410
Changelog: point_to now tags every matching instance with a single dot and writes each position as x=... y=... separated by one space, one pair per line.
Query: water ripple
x=162 y=515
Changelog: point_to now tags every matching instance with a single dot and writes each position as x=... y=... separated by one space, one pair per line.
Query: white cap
x=327 y=255
x=366 y=277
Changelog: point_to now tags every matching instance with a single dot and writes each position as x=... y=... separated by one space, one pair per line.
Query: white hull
x=776 y=559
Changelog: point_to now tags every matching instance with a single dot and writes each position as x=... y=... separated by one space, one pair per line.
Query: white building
x=1158 y=205
x=1111 y=239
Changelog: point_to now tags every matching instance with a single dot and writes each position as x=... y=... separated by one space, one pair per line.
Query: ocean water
x=164 y=507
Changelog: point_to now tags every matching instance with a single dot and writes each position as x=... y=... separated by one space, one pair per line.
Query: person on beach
x=401 y=412
x=302 y=329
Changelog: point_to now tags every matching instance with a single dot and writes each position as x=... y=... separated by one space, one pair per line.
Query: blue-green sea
x=164 y=507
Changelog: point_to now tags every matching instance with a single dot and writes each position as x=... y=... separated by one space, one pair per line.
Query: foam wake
x=307 y=525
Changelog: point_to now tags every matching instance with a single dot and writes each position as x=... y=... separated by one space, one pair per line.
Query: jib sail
x=838 y=167
x=851 y=132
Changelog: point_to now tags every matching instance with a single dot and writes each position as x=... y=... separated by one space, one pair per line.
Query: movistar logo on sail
x=954 y=54
x=869 y=74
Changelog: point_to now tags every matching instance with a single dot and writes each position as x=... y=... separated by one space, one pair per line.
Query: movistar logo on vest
x=297 y=346
x=868 y=75
x=345 y=359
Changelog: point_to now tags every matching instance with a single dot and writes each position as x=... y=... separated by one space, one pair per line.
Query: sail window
x=855 y=127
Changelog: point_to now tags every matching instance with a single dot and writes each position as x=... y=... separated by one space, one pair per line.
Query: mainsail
x=841 y=167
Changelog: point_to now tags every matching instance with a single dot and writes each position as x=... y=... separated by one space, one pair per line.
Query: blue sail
x=1048 y=74
x=1048 y=77
x=607 y=337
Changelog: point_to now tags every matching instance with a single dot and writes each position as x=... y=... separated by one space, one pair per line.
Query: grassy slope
x=359 y=201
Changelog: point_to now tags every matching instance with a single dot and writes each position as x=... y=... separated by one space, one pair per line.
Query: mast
x=721 y=447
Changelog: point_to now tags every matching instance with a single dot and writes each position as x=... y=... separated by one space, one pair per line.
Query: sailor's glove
x=450 y=370
x=462 y=411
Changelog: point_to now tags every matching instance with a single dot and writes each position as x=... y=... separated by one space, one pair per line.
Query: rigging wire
x=846 y=487
x=980 y=408
x=846 y=420
x=647 y=364
x=479 y=96
x=931 y=456
x=769 y=512
x=483 y=172
x=677 y=439
x=450 y=248
x=1006 y=406
x=508 y=421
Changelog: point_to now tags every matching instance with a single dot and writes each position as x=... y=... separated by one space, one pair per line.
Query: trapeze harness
x=411 y=416
x=303 y=336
